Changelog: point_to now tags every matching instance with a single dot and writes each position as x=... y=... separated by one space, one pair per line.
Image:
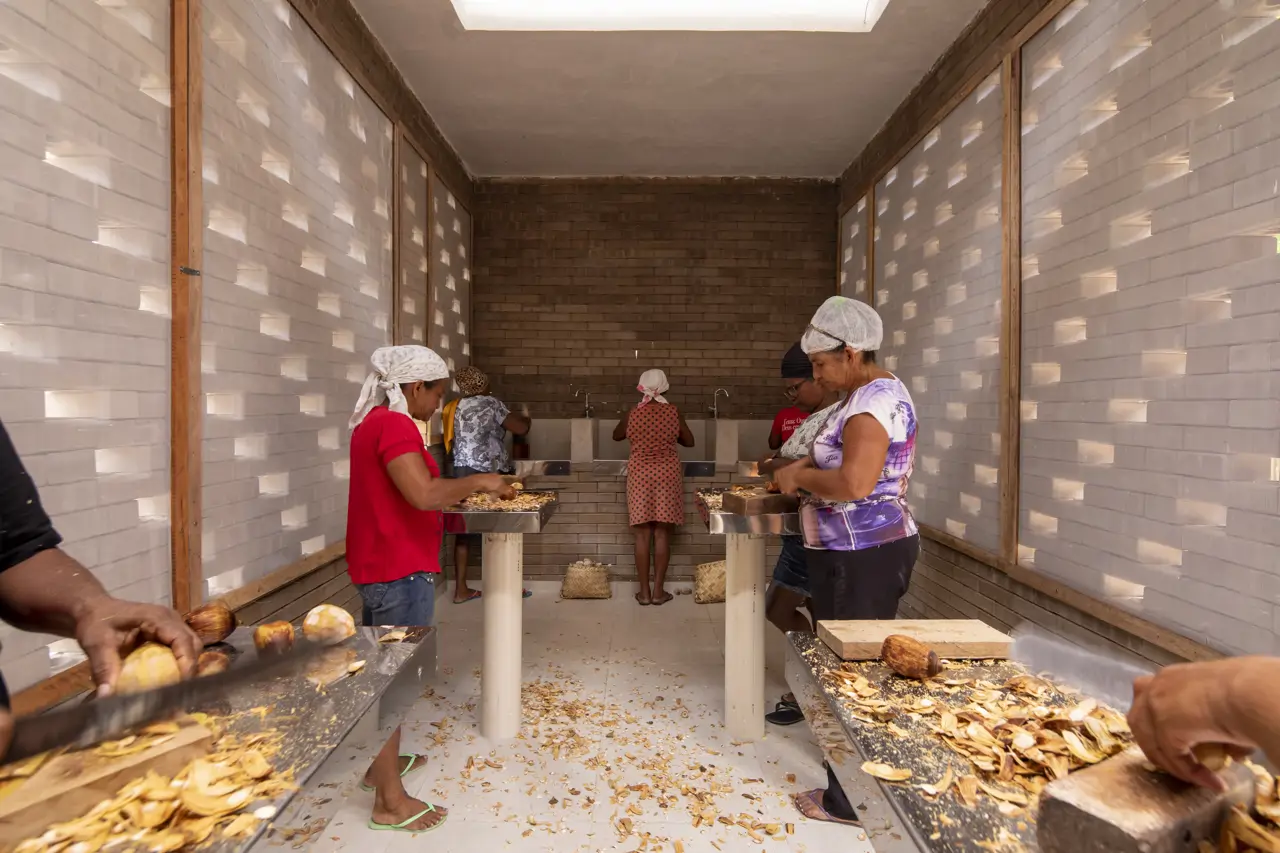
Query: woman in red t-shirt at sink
x=395 y=522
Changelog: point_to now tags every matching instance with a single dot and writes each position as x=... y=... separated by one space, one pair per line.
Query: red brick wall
x=709 y=280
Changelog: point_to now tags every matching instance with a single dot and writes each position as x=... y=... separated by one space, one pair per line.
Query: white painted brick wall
x=450 y=332
x=854 y=274
x=297 y=279
x=1151 y=431
x=937 y=288
x=84 y=285
x=415 y=244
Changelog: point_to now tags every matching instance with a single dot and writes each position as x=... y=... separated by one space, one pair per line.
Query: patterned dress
x=655 y=479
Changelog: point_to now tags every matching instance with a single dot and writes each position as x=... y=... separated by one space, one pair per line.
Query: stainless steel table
x=502 y=573
x=744 y=623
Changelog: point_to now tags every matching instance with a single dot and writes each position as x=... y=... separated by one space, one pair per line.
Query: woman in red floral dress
x=655 y=480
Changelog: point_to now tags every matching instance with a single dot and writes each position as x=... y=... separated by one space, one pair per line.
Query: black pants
x=864 y=584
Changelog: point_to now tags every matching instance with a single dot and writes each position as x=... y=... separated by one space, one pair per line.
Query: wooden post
x=397 y=214
x=1011 y=309
x=186 y=292
x=871 y=245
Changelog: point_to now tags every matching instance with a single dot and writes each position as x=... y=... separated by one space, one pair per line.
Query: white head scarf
x=843 y=322
x=653 y=384
x=391 y=367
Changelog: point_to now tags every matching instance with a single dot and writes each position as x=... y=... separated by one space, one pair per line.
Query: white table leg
x=502 y=570
x=744 y=636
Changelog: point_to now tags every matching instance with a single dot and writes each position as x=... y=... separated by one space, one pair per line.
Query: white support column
x=502 y=571
x=744 y=636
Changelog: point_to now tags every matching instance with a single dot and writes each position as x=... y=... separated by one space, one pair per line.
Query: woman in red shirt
x=394 y=528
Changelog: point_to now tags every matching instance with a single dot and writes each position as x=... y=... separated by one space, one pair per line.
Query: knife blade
x=103 y=719
x=1105 y=678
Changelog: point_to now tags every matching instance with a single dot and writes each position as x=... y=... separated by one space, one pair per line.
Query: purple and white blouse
x=882 y=516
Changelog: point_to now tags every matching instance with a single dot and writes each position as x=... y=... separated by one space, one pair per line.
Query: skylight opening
x=837 y=16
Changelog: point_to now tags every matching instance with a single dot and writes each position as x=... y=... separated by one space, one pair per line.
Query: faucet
x=714 y=411
x=587 y=411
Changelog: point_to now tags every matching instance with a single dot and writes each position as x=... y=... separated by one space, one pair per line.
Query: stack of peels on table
x=210 y=795
x=522 y=502
x=1013 y=738
x=1258 y=832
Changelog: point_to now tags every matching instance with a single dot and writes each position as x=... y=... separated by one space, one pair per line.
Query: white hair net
x=391 y=367
x=653 y=384
x=843 y=322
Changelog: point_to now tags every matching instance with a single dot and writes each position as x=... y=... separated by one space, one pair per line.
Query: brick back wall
x=709 y=280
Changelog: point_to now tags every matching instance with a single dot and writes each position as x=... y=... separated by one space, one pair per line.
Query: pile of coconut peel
x=1011 y=738
x=1259 y=832
x=213 y=795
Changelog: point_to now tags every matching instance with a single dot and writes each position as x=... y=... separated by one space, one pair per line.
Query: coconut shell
x=909 y=657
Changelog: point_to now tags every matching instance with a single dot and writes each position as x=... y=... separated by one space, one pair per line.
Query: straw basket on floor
x=708 y=583
x=586 y=579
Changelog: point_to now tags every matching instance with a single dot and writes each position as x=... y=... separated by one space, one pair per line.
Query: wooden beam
x=1163 y=638
x=998 y=30
x=344 y=32
x=397 y=215
x=53 y=691
x=268 y=584
x=1011 y=310
x=871 y=245
x=186 y=415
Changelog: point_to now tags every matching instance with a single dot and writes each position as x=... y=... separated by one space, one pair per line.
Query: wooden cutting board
x=950 y=638
x=69 y=785
x=759 y=503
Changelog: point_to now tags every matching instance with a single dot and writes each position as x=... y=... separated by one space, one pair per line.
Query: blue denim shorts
x=792 y=570
x=407 y=603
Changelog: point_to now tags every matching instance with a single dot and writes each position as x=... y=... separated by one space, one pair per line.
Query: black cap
x=795 y=364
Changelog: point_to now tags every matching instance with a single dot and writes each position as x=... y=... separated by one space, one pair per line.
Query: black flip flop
x=785 y=714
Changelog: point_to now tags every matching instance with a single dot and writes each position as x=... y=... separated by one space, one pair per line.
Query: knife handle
x=1211 y=755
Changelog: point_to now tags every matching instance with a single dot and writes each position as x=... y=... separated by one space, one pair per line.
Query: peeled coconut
x=328 y=624
x=148 y=667
x=273 y=638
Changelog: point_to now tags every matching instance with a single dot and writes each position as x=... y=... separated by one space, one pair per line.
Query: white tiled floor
x=640 y=699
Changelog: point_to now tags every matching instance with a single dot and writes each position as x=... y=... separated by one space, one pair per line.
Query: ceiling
x=573 y=104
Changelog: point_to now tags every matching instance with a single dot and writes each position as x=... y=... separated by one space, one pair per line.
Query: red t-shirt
x=387 y=539
x=787 y=422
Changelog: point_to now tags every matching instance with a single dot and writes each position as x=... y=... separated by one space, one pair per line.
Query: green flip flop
x=403 y=827
x=409 y=768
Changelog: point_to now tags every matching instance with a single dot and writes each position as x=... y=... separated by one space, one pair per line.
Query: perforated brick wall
x=84 y=285
x=414 y=248
x=854 y=271
x=297 y=282
x=1151 y=419
x=937 y=289
x=586 y=284
x=450 y=333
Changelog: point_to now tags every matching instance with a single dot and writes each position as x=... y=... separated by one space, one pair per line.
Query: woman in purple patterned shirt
x=861 y=541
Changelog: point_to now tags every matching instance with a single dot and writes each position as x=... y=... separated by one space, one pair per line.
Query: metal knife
x=103 y=719
x=1107 y=679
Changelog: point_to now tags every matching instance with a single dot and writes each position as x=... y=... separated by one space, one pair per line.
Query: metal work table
x=898 y=818
x=744 y=623
x=314 y=721
x=502 y=574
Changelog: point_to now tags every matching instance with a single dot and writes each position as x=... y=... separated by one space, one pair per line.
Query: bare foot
x=662 y=597
x=419 y=762
x=461 y=596
x=643 y=597
x=403 y=811
x=809 y=804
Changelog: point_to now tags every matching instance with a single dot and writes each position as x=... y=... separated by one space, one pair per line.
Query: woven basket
x=586 y=579
x=708 y=583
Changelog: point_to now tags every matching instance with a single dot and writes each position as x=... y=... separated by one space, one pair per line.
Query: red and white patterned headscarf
x=653 y=384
